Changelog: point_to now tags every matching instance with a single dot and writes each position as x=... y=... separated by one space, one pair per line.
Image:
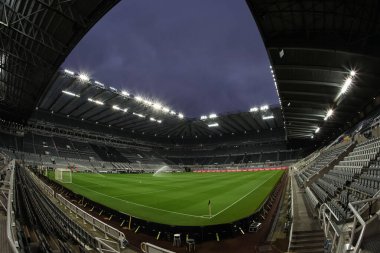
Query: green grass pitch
x=179 y=198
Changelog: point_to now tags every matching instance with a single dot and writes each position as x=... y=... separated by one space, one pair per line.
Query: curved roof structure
x=324 y=55
x=35 y=38
x=77 y=96
x=325 y=58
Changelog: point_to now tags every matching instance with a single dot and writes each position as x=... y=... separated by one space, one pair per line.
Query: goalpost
x=63 y=175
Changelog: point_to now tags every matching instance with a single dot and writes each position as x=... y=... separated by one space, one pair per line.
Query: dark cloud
x=196 y=56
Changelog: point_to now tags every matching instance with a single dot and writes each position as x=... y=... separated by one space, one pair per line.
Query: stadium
x=87 y=167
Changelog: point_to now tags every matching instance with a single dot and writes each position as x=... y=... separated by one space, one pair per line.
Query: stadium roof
x=313 y=47
x=35 y=38
x=75 y=95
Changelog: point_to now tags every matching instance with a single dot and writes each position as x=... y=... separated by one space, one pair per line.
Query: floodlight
x=157 y=106
x=147 y=102
x=138 y=98
x=352 y=73
x=264 y=108
x=95 y=101
x=329 y=114
x=317 y=130
x=112 y=88
x=180 y=115
x=165 y=109
x=84 y=77
x=125 y=93
x=346 y=85
x=139 y=115
x=116 y=107
x=100 y=84
x=213 y=116
x=152 y=119
x=159 y=121
x=203 y=117
x=69 y=72
x=172 y=113
x=213 y=125
x=253 y=109
x=268 y=117
x=70 y=93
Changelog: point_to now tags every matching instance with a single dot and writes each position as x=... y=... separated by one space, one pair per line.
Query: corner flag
x=209 y=208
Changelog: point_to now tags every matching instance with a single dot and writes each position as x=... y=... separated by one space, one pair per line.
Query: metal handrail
x=10 y=211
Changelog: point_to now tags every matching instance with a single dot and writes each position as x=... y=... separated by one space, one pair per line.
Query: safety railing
x=151 y=248
x=10 y=212
x=105 y=245
x=292 y=209
x=86 y=217
x=41 y=184
x=94 y=222
x=326 y=215
x=358 y=218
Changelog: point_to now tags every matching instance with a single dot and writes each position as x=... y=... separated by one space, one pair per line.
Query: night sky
x=197 y=57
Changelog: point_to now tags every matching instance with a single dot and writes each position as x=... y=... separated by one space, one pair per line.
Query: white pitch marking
x=133 y=203
x=241 y=197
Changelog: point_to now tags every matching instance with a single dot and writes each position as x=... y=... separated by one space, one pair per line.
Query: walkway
x=303 y=220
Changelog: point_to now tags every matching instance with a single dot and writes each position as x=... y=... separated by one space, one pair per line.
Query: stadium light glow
x=69 y=72
x=346 y=85
x=213 y=124
x=125 y=93
x=95 y=101
x=317 y=130
x=159 y=121
x=254 y=109
x=138 y=98
x=116 y=107
x=157 y=106
x=329 y=113
x=153 y=119
x=172 y=112
x=352 y=73
x=213 y=116
x=203 y=117
x=165 y=109
x=268 y=117
x=138 y=115
x=114 y=89
x=70 y=93
x=84 y=77
x=100 y=84
x=180 y=115
x=146 y=102
x=264 y=108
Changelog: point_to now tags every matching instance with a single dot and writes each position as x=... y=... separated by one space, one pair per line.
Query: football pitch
x=180 y=199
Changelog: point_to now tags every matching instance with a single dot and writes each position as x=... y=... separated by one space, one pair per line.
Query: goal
x=63 y=175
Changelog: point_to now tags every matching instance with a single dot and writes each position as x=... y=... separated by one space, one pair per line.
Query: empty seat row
x=319 y=192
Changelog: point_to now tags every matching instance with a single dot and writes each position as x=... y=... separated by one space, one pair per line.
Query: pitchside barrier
x=96 y=223
x=147 y=247
x=240 y=169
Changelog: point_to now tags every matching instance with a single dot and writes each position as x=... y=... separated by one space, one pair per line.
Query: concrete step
x=308 y=240
x=310 y=251
x=308 y=234
x=314 y=245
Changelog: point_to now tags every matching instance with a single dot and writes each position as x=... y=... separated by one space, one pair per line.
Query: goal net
x=63 y=175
